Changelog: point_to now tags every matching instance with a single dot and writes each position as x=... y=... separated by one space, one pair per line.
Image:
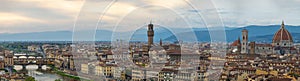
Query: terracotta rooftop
x=236 y=43
x=282 y=35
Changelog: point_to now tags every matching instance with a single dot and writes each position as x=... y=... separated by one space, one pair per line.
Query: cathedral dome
x=282 y=35
x=236 y=43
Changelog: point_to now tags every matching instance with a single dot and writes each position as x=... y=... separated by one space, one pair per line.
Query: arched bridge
x=25 y=60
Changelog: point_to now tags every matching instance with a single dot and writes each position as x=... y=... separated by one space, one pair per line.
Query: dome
x=282 y=35
x=236 y=43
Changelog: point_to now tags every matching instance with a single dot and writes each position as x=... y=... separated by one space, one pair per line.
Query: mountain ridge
x=256 y=33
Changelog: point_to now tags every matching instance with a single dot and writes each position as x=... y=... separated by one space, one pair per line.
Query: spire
x=150 y=25
x=151 y=22
x=160 y=42
x=282 y=24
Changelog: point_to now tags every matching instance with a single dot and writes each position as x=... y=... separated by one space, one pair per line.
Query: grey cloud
x=233 y=13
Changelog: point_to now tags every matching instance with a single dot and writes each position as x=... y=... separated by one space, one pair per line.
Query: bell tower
x=244 y=48
x=150 y=33
x=160 y=42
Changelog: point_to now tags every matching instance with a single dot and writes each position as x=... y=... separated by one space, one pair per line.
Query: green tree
x=29 y=78
x=57 y=80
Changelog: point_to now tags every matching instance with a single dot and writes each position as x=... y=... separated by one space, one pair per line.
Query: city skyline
x=149 y=40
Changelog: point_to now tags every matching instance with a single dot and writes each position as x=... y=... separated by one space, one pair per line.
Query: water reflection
x=39 y=75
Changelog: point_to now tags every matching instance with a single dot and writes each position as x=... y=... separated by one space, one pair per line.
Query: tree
x=29 y=78
x=57 y=80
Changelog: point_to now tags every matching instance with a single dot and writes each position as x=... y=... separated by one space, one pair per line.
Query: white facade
x=244 y=46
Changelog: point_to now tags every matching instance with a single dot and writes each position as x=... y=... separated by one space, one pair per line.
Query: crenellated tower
x=150 y=33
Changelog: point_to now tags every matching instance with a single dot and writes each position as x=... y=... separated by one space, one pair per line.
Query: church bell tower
x=244 y=41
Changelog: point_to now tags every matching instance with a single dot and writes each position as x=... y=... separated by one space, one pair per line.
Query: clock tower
x=150 y=33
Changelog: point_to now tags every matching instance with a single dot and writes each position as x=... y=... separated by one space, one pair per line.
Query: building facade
x=282 y=43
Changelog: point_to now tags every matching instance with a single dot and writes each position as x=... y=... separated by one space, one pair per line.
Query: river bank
x=48 y=73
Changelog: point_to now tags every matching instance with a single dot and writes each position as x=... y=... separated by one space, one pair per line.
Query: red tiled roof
x=279 y=79
x=168 y=70
x=236 y=43
x=282 y=34
x=174 y=51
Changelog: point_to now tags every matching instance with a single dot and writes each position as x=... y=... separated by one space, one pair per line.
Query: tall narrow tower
x=160 y=42
x=150 y=34
x=244 y=41
x=239 y=45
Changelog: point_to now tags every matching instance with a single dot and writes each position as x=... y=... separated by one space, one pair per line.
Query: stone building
x=282 y=43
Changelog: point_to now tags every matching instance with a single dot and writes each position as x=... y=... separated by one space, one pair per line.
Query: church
x=282 y=43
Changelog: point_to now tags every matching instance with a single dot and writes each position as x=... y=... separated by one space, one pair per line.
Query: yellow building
x=106 y=70
x=85 y=68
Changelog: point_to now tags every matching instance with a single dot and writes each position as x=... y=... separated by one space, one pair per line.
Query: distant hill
x=37 y=36
x=256 y=33
x=268 y=38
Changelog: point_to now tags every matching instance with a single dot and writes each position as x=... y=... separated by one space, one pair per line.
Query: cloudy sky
x=19 y=16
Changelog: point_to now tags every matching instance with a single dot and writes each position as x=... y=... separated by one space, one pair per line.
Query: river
x=41 y=75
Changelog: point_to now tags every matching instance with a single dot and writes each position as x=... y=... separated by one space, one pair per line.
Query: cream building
x=85 y=68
